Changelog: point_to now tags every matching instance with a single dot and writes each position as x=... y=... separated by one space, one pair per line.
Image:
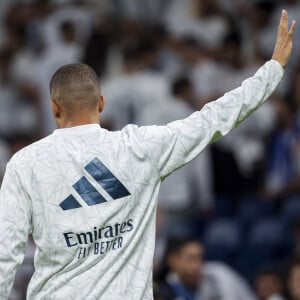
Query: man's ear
x=101 y=103
x=55 y=108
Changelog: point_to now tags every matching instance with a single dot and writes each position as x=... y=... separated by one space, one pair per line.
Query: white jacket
x=88 y=196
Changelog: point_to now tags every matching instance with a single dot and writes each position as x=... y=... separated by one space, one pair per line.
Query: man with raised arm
x=88 y=195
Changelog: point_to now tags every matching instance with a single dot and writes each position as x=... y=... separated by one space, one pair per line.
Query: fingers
x=292 y=29
x=284 y=41
x=283 y=25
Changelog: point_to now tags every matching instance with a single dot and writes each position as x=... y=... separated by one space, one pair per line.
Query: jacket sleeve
x=15 y=220
x=172 y=146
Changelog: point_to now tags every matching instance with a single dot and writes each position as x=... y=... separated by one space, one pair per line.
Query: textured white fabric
x=105 y=251
x=221 y=279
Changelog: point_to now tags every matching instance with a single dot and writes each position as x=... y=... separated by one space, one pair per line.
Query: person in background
x=283 y=171
x=293 y=283
x=269 y=285
x=186 y=276
x=181 y=274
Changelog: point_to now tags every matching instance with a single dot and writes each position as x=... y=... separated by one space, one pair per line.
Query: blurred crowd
x=228 y=225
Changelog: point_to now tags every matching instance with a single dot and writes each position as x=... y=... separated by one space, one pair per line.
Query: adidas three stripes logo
x=103 y=176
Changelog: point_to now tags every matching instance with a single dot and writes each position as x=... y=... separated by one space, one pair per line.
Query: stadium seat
x=264 y=246
x=222 y=240
x=291 y=211
x=266 y=232
x=251 y=209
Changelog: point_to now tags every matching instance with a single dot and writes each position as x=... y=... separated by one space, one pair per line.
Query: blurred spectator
x=283 y=168
x=269 y=285
x=204 y=20
x=144 y=11
x=139 y=86
x=294 y=280
x=205 y=72
x=261 y=26
x=96 y=51
x=79 y=13
x=185 y=276
x=14 y=102
x=229 y=284
x=181 y=275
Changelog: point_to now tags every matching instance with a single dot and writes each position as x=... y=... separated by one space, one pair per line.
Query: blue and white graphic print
x=88 y=192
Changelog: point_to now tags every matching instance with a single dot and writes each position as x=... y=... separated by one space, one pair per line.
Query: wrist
x=283 y=65
x=279 y=62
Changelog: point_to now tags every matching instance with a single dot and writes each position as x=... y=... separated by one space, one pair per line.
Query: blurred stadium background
x=158 y=61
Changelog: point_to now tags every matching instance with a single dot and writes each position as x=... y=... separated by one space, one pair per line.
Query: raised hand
x=284 y=42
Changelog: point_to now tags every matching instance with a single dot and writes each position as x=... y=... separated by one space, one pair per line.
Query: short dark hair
x=75 y=86
x=175 y=245
x=272 y=271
